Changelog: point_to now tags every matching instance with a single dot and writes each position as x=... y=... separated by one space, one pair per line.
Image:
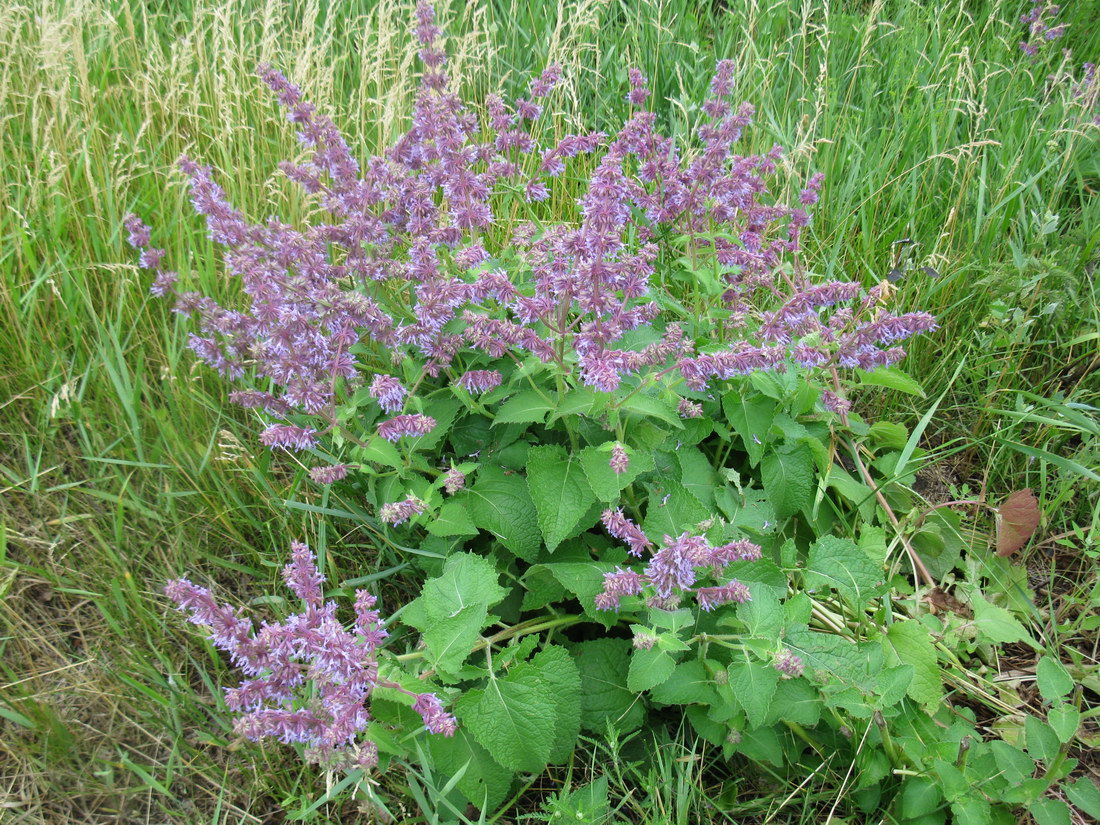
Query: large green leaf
x=450 y=639
x=453 y=520
x=908 y=642
x=788 y=476
x=482 y=781
x=500 y=503
x=689 y=684
x=560 y=491
x=513 y=717
x=697 y=474
x=671 y=510
x=997 y=624
x=649 y=668
x=605 y=482
x=526 y=407
x=559 y=671
x=751 y=417
x=754 y=686
x=467 y=579
x=844 y=566
x=605 y=697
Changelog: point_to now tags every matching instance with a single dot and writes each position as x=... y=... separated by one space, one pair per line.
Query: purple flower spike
x=310 y=677
x=398 y=512
x=454 y=481
x=436 y=719
x=388 y=392
x=406 y=425
x=620 y=461
x=623 y=528
x=289 y=437
x=479 y=381
x=638 y=88
x=329 y=475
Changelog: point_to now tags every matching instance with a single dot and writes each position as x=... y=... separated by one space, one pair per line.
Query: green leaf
x=501 y=504
x=450 y=640
x=646 y=406
x=689 y=684
x=588 y=804
x=972 y=810
x=762 y=745
x=584 y=579
x=605 y=483
x=889 y=435
x=712 y=731
x=842 y=565
x=513 y=718
x=483 y=782
x=578 y=401
x=443 y=410
x=1047 y=811
x=953 y=784
x=524 y=407
x=453 y=520
x=919 y=797
x=467 y=579
x=762 y=614
x=648 y=668
x=605 y=697
x=855 y=492
x=754 y=685
x=697 y=475
x=542 y=588
x=997 y=624
x=1085 y=795
x=1011 y=761
x=907 y=642
x=892 y=378
x=671 y=510
x=892 y=684
x=557 y=668
x=795 y=700
x=560 y=491
x=1054 y=680
x=1042 y=742
x=378 y=450
x=1064 y=720
x=788 y=476
x=826 y=655
x=751 y=417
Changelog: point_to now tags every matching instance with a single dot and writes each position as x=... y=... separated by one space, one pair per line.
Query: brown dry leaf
x=1017 y=518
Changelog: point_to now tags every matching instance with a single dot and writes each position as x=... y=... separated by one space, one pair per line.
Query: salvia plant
x=593 y=393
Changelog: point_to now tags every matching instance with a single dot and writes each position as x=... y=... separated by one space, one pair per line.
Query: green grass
x=121 y=464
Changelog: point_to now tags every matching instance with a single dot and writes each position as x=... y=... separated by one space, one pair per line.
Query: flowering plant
x=490 y=369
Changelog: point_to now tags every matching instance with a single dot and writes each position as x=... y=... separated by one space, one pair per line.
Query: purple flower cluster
x=404 y=268
x=674 y=569
x=309 y=677
x=809 y=330
x=454 y=481
x=479 y=381
x=619 y=461
x=398 y=512
x=1040 y=26
x=789 y=665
